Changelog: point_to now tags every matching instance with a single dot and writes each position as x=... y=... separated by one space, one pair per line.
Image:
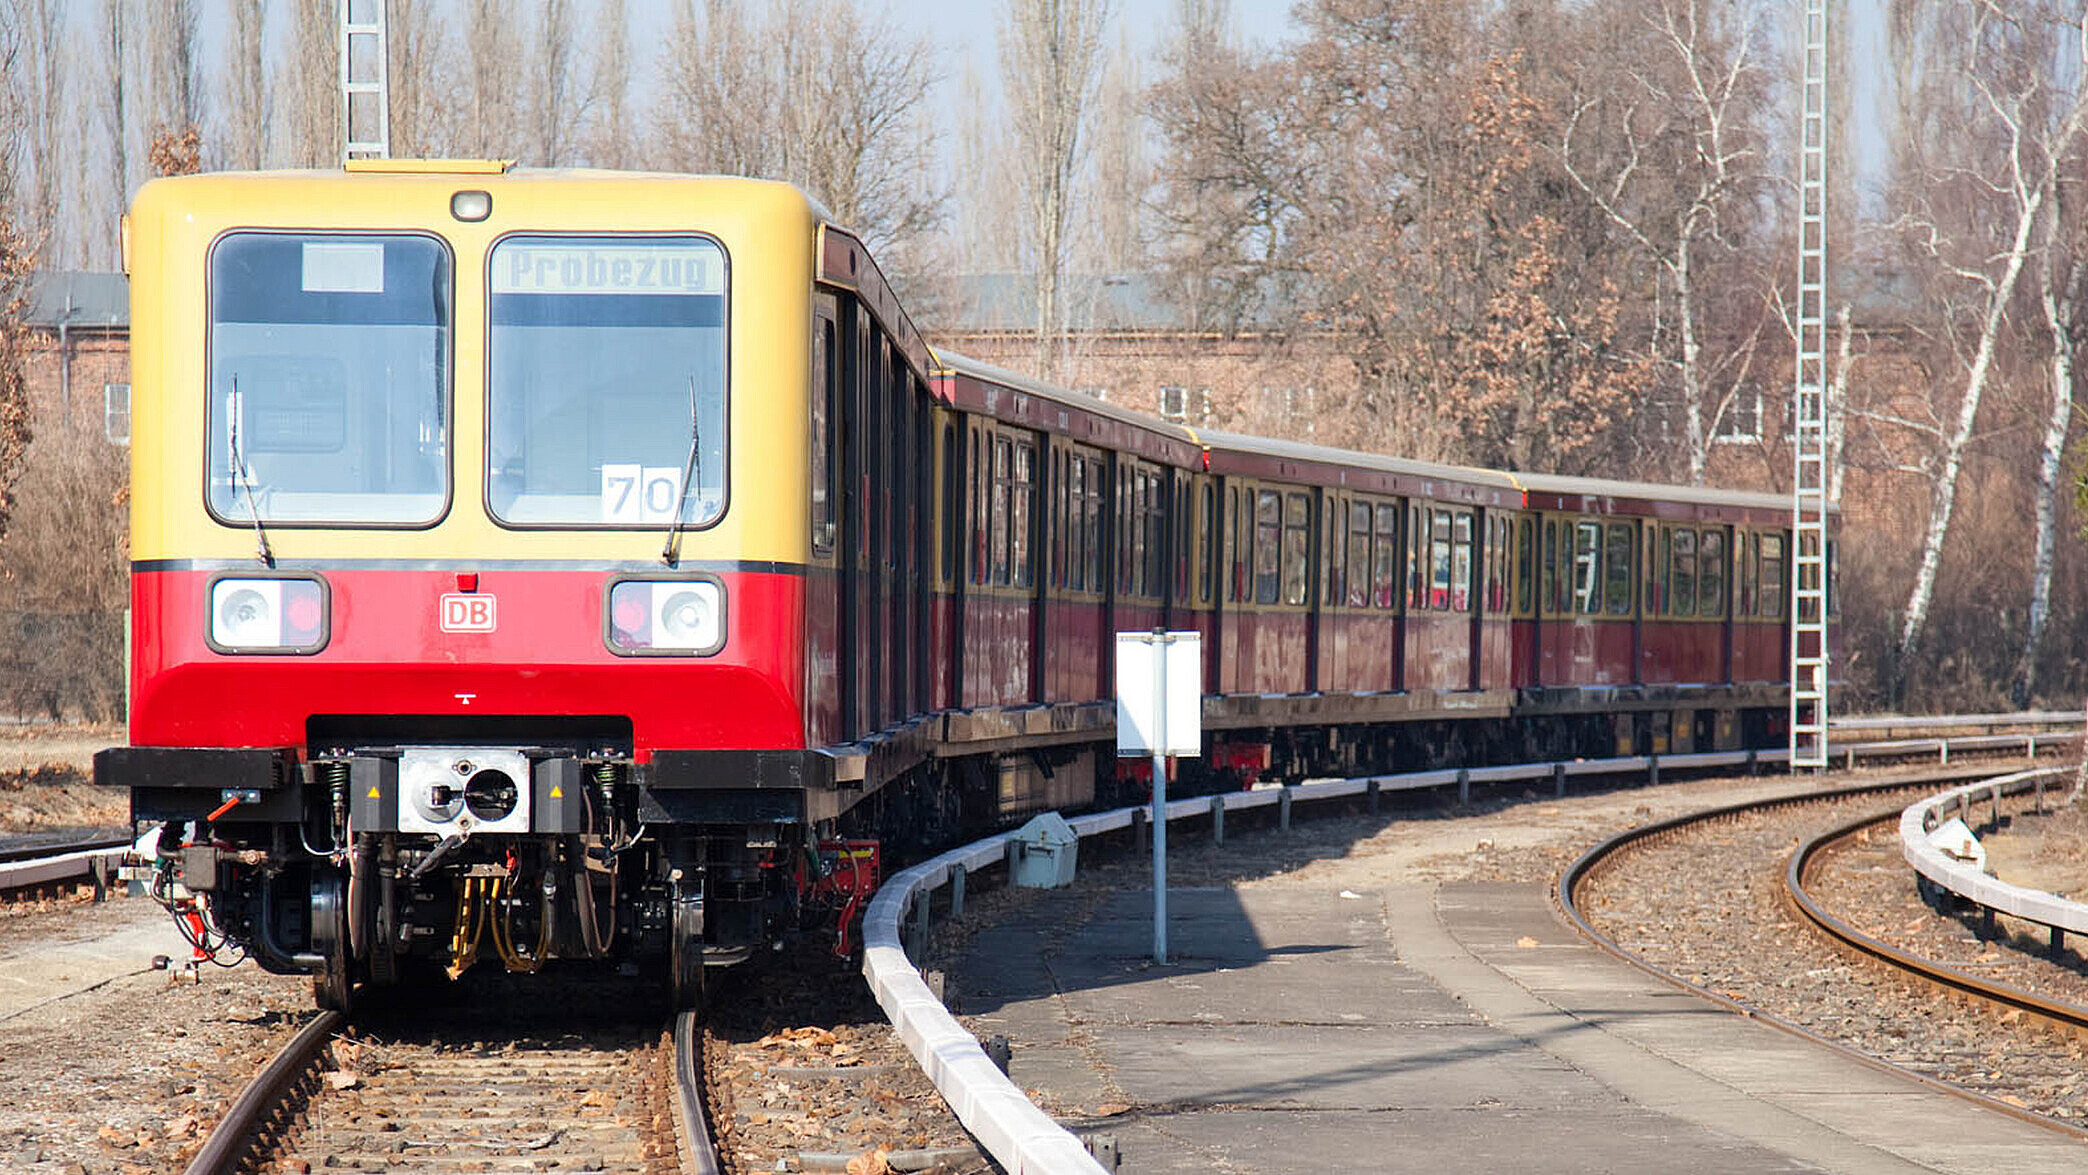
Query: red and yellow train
x=592 y=565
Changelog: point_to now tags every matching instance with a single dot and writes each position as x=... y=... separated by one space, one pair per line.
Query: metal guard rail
x=1956 y=721
x=97 y=863
x=1025 y=1140
x=2055 y=913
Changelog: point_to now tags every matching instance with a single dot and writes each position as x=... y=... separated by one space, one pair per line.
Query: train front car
x=470 y=545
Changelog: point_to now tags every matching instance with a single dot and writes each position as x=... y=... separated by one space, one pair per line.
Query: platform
x=1307 y=1027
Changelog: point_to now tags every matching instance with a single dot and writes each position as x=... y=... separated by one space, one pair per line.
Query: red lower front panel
x=388 y=654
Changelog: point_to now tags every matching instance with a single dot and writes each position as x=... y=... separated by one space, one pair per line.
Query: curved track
x=2057 y=1014
x=1799 y=870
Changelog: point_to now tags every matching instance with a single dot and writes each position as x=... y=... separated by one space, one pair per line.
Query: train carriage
x=582 y=565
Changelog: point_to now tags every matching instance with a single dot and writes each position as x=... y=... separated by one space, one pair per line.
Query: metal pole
x=1162 y=640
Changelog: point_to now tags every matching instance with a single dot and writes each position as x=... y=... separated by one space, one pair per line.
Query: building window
x=116 y=413
x=1174 y=404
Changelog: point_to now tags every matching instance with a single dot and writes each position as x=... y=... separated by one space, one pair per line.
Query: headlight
x=268 y=615
x=667 y=616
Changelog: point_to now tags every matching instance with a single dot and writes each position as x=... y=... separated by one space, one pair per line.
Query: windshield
x=329 y=378
x=607 y=368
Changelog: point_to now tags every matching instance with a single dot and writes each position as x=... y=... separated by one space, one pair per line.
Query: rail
x=264 y=1106
x=1021 y=1137
x=699 y=1152
x=2057 y=915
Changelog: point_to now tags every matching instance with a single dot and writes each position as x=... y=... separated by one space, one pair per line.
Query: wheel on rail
x=333 y=985
x=685 y=955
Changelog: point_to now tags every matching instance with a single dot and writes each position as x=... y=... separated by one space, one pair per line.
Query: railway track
x=1822 y=966
x=568 y=1084
x=2053 y=1012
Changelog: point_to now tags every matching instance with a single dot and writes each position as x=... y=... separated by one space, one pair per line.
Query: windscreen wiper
x=234 y=406
x=671 y=553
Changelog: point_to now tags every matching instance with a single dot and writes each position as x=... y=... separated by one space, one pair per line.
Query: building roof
x=95 y=300
x=992 y=303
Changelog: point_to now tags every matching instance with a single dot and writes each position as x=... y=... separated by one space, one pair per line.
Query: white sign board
x=1142 y=727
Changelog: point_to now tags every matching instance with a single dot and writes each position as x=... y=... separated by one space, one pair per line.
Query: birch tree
x=1985 y=162
x=1051 y=64
x=2062 y=277
x=1681 y=175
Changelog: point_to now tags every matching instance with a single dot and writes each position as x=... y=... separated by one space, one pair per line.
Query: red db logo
x=473 y=613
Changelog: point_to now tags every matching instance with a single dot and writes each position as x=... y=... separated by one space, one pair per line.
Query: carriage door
x=849 y=566
x=865 y=650
x=1315 y=527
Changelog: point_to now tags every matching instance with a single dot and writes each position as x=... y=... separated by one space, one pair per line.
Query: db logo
x=469 y=613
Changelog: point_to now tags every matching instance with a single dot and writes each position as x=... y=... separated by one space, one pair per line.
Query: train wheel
x=685 y=957
x=333 y=985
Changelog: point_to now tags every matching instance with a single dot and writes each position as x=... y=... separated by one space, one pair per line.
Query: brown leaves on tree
x=176 y=152
x=17 y=262
x=1387 y=182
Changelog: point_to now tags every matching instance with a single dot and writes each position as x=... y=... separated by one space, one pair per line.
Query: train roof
x=1325 y=465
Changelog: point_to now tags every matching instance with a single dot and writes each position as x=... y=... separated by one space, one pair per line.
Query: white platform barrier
x=1022 y=1138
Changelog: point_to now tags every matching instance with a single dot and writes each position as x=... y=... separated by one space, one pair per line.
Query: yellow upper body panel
x=768 y=232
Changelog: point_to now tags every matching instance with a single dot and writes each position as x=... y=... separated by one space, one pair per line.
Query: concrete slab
x=118 y=943
x=1573 y=1142
x=1723 y=1072
x=1292 y=1034
x=1366 y=1068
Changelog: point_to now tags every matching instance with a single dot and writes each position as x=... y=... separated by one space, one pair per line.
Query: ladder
x=365 y=81
x=1809 y=417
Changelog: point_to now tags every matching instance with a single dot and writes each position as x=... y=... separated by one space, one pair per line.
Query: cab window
x=606 y=381
x=329 y=379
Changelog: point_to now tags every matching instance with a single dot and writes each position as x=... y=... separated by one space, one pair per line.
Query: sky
x=971 y=24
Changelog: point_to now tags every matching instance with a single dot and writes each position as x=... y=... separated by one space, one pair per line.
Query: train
x=567 y=564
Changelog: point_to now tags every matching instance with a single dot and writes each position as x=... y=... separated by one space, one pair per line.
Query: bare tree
x=557 y=102
x=116 y=98
x=37 y=79
x=1984 y=169
x=1051 y=58
x=985 y=223
x=1681 y=173
x=311 y=75
x=244 y=96
x=493 y=61
x=423 y=98
x=171 y=66
x=1122 y=173
x=610 y=137
x=809 y=93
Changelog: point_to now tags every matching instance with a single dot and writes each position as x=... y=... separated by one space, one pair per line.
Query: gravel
x=1708 y=906
x=127 y=1077
x=806 y=1072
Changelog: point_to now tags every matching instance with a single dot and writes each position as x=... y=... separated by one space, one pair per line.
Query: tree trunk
x=1943 y=498
x=2059 y=300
